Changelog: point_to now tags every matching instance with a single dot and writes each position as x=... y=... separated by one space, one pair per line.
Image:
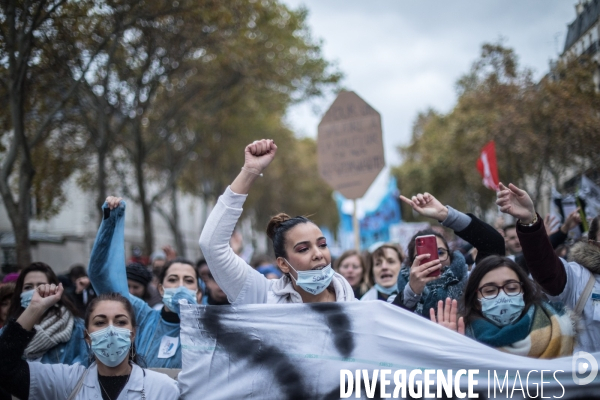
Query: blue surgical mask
x=387 y=291
x=111 y=345
x=313 y=281
x=172 y=296
x=504 y=309
x=26 y=298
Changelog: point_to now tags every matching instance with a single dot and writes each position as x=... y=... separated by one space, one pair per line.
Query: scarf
x=451 y=283
x=52 y=330
x=545 y=331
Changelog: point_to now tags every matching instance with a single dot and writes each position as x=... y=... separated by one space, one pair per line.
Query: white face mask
x=504 y=309
x=172 y=296
x=26 y=298
x=313 y=281
x=111 y=345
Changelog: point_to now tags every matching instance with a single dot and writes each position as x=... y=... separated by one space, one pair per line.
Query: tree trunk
x=173 y=221
x=18 y=215
x=146 y=207
x=21 y=227
x=179 y=242
x=101 y=181
x=20 y=212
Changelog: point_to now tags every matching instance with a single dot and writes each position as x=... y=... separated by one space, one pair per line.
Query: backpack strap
x=78 y=385
x=585 y=295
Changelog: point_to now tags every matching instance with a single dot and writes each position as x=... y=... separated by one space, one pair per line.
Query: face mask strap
x=291 y=276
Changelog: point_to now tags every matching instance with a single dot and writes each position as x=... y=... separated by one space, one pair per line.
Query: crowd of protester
x=523 y=288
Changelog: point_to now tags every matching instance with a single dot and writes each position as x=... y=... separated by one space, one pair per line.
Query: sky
x=404 y=56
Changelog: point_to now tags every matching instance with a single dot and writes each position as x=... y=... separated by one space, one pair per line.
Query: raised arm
x=560 y=236
x=107 y=261
x=543 y=263
x=482 y=236
x=228 y=269
x=14 y=371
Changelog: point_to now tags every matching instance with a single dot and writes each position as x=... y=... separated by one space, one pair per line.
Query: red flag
x=487 y=166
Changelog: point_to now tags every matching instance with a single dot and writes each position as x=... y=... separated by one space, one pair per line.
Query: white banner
x=357 y=350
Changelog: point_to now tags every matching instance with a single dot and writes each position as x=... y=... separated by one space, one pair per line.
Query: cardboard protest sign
x=350 y=145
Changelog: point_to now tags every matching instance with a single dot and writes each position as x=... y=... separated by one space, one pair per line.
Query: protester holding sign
x=157 y=339
x=420 y=292
x=504 y=309
x=575 y=283
x=58 y=333
x=109 y=331
x=300 y=248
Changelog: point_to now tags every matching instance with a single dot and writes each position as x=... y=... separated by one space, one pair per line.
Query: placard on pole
x=350 y=148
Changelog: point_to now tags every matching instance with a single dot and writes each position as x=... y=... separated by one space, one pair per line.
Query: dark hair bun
x=275 y=223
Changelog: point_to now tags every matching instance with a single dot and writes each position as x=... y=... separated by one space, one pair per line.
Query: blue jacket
x=72 y=352
x=107 y=274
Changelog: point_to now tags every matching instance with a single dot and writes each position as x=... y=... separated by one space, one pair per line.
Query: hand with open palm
x=447 y=316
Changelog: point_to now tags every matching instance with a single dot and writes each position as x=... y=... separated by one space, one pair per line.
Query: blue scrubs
x=107 y=274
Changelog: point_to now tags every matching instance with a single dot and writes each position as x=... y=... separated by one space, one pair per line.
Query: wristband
x=535 y=219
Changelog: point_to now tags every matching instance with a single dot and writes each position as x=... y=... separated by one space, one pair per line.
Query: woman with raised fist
x=300 y=247
x=109 y=332
x=58 y=332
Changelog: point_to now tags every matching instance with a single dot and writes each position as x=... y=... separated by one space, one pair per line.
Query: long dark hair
x=470 y=305
x=412 y=252
x=133 y=355
x=15 y=309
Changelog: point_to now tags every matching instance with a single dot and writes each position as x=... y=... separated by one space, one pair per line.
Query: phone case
x=427 y=245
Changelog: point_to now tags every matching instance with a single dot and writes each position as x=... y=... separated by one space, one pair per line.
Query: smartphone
x=428 y=245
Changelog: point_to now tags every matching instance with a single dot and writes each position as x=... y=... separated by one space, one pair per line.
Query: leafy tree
x=241 y=63
x=542 y=130
x=43 y=62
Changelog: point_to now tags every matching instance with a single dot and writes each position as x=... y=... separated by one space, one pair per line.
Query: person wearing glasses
x=576 y=282
x=504 y=309
x=419 y=292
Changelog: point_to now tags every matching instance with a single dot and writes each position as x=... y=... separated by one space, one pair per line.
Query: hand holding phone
x=427 y=244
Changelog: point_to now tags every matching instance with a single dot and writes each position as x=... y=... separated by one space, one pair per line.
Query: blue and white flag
x=377 y=224
x=355 y=350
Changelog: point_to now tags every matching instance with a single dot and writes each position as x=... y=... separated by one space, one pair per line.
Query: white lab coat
x=241 y=283
x=577 y=278
x=370 y=295
x=57 y=381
